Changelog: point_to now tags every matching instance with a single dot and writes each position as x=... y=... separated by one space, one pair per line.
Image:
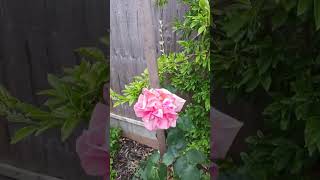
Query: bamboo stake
x=150 y=56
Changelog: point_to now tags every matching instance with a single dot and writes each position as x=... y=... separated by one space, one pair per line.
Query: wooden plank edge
x=21 y=174
x=126 y=119
x=153 y=143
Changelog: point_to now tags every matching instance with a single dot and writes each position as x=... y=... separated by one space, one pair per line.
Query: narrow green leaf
x=45 y=127
x=23 y=133
x=266 y=83
x=201 y=29
x=312 y=134
x=204 y=4
x=54 y=81
x=303 y=6
x=252 y=84
x=68 y=128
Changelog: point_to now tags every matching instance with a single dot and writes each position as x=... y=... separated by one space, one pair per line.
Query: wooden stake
x=150 y=56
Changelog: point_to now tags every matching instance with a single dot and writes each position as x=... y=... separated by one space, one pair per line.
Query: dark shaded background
x=39 y=37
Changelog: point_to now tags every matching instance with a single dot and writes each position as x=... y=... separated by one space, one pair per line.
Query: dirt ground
x=127 y=160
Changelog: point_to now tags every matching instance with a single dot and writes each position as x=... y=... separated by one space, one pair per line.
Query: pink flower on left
x=158 y=108
x=92 y=146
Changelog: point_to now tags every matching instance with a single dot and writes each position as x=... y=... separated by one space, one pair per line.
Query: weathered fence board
x=37 y=38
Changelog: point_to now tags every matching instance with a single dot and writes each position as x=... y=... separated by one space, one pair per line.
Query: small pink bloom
x=158 y=108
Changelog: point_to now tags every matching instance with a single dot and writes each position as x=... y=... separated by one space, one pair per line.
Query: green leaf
x=266 y=83
x=168 y=158
x=152 y=172
x=195 y=157
x=264 y=65
x=176 y=139
x=155 y=157
x=45 y=127
x=54 y=81
x=162 y=172
x=288 y=4
x=201 y=29
x=68 y=128
x=48 y=92
x=23 y=133
x=235 y=24
x=190 y=173
x=301 y=111
x=180 y=165
x=279 y=19
x=252 y=84
x=249 y=74
x=33 y=112
x=303 y=6
x=184 y=123
x=204 y=4
x=317 y=13
x=312 y=134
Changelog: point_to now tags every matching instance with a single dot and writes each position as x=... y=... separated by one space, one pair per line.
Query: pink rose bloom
x=158 y=108
x=92 y=145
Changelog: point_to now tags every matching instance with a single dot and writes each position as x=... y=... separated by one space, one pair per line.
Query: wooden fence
x=127 y=56
x=38 y=37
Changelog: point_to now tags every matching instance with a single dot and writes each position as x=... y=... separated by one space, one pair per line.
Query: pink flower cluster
x=158 y=108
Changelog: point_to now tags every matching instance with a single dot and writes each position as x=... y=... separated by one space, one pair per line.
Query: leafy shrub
x=186 y=164
x=71 y=98
x=115 y=135
x=273 y=46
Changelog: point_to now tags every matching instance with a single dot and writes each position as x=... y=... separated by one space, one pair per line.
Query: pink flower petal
x=158 y=108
